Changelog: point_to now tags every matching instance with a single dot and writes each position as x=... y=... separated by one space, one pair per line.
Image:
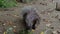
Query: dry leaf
x=4 y=32
x=42 y=33
x=33 y=30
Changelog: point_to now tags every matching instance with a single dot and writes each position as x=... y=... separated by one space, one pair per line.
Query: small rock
x=55 y=32
x=48 y=25
x=14 y=26
x=4 y=24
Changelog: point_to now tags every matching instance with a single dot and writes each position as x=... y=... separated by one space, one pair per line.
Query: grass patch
x=25 y=32
x=7 y=3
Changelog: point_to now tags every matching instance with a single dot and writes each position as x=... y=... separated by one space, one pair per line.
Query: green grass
x=7 y=3
x=25 y=32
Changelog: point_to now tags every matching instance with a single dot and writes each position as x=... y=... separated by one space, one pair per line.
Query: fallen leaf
x=33 y=30
x=4 y=32
x=42 y=33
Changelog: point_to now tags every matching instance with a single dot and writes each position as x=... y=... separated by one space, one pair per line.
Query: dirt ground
x=46 y=10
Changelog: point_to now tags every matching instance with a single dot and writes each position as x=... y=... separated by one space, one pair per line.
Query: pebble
x=48 y=25
x=14 y=26
x=55 y=32
x=4 y=24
